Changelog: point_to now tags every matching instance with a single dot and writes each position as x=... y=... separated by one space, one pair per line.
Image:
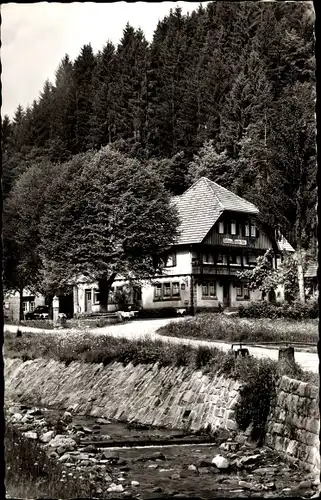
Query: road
x=148 y=329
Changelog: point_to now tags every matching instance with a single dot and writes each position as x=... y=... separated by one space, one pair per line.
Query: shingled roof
x=312 y=271
x=201 y=206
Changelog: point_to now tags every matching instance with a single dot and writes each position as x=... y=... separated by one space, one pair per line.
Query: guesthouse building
x=219 y=236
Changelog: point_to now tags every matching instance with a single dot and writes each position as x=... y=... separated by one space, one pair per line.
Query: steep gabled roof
x=312 y=271
x=284 y=246
x=201 y=206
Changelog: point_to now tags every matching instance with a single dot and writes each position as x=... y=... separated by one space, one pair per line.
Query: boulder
x=17 y=417
x=64 y=458
x=47 y=436
x=221 y=462
x=192 y=467
x=60 y=441
x=102 y=421
x=115 y=488
x=134 y=483
x=30 y=435
x=67 y=417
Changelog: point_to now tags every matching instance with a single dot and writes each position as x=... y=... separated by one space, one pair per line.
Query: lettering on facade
x=230 y=241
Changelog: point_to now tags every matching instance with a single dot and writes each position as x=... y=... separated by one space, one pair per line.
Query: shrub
x=294 y=310
x=31 y=473
x=219 y=327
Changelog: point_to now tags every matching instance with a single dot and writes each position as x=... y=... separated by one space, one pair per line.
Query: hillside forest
x=226 y=92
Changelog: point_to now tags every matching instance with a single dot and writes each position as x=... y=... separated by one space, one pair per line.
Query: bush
x=294 y=310
x=219 y=327
x=31 y=473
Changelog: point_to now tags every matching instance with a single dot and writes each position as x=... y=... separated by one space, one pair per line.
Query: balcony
x=219 y=269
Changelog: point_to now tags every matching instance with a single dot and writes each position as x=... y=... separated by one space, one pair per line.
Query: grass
x=81 y=323
x=31 y=473
x=87 y=348
x=210 y=326
x=257 y=376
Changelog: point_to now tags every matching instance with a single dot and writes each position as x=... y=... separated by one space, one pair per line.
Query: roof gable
x=202 y=204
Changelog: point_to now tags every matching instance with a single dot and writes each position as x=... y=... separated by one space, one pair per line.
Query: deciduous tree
x=106 y=215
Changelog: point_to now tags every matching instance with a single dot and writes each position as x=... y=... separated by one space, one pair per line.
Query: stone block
x=291 y=447
x=231 y=425
x=313 y=425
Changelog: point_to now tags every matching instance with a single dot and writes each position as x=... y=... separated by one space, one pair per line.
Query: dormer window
x=233 y=227
x=221 y=227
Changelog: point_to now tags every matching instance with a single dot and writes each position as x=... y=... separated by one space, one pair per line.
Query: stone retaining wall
x=174 y=397
x=294 y=423
x=170 y=396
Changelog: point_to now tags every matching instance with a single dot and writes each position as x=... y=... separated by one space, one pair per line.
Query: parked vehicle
x=40 y=312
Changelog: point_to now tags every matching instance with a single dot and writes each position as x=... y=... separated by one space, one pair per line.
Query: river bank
x=93 y=457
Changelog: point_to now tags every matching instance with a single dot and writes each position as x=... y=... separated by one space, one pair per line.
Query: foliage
x=256 y=395
x=266 y=278
x=295 y=310
x=22 y=212
x=228 y=88
x=263 y=277
x=219 y=327
x=30 y=472
x=105 y=215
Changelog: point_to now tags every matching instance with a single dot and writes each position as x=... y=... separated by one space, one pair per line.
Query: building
x=311 y=281
x=219 y=236
x=29 y=302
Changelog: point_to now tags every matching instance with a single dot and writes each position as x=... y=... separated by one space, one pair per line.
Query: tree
x=106 y=215
x=218 y=167
x=83 y=70
x=22 y=211
x=263 y=277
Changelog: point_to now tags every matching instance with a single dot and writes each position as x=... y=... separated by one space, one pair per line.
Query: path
x=147 y=329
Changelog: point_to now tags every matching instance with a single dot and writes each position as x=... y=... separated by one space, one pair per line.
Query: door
x=88 y=301
x=226 y=294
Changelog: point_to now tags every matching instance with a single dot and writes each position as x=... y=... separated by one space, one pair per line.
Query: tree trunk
x=21 y=305
x=104 y=285
x=300 y=275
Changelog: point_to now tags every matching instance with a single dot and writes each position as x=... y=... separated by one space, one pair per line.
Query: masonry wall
x=174 y=397
x=293 y=425
x=170 y=396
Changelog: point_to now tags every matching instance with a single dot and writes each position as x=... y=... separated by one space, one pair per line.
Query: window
x=32 y=306
x=245 y=260
x=208 y=259
x=25 y=306
x=219 y=258
x=252 y=260
x=96 y=297
x=238 y=260
x=253 y=231
x=167 y=291
x=242 y=291
x=175 y=289
x=247 y=230
x=170 y=260
x=233 y=227
x=209 y=289
x=221 y=227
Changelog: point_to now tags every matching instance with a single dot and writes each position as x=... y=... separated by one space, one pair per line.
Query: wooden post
x=287 y=354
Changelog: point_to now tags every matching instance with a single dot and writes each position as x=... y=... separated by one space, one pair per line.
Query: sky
x=35 y=37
